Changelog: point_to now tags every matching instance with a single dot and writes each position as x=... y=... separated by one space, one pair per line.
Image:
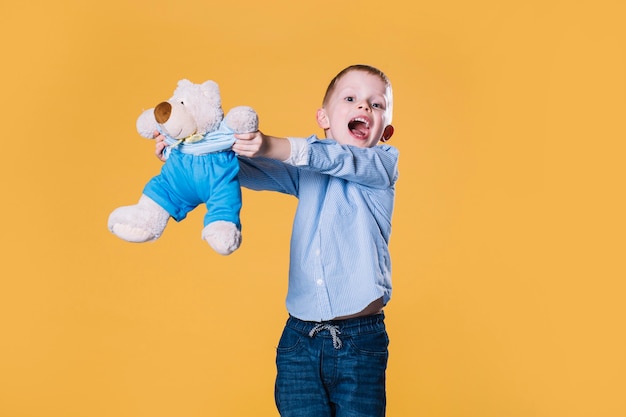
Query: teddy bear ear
x=210 y=88
x=184 y=82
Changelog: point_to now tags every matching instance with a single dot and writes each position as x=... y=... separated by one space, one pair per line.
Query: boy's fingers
x=245 y=136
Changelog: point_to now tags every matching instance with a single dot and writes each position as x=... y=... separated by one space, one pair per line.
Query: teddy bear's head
x=193 y=109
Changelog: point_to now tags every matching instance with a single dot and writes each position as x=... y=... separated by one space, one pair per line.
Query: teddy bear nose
x=162 y=112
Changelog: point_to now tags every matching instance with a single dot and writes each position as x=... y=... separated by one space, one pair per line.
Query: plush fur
x=193 y=116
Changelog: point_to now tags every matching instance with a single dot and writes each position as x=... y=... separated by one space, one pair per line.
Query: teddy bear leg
x=139 y=223
x=223 y=236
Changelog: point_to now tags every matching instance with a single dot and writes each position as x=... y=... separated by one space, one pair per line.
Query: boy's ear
x=322 y=119
x=387 y=133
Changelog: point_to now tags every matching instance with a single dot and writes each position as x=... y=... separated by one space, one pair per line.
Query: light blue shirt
x=340 y=259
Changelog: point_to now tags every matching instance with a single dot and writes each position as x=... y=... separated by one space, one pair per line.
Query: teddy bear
x=200 y=167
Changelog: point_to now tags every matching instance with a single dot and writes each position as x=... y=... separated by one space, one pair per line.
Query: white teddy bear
x=200 y=168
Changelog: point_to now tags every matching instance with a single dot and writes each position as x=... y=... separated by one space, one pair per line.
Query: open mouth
x=359 y=127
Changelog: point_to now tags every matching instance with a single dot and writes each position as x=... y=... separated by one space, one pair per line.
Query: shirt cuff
x=299 y=152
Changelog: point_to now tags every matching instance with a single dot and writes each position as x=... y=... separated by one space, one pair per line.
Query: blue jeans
x=332 y=369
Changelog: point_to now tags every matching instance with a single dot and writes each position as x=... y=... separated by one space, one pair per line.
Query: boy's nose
x=363 y=105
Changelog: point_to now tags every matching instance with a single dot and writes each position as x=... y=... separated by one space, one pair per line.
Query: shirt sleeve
x=264 y=174
x=375 y=167
x=299 y=152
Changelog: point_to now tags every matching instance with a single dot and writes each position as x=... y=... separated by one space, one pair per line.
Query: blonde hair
x=365 y=68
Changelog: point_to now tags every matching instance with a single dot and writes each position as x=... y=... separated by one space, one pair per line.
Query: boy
x=332 y=355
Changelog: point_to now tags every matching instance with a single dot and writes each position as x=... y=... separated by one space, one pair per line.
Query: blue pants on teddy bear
x=188 y=180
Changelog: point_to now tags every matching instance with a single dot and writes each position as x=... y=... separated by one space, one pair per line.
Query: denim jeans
x=332 y=369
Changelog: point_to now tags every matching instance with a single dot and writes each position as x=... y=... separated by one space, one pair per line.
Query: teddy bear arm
x=242 y=119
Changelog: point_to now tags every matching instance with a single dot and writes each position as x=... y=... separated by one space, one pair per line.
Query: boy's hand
x=250 y=144
x=258 y=144
x=159 y=146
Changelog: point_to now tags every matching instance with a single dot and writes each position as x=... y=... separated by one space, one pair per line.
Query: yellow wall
x=508 y=239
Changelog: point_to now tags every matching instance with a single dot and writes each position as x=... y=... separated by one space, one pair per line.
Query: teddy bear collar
x=217 y=140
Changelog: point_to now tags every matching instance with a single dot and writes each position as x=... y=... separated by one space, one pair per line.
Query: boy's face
x=358 y=111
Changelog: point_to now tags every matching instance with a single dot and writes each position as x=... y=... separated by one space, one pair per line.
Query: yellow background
x=508 y=240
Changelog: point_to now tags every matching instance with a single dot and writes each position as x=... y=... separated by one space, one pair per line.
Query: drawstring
x=332 y=329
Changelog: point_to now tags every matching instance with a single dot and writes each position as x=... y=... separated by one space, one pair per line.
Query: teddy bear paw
x=242 y=119
x=142 y=222
x=222 y=236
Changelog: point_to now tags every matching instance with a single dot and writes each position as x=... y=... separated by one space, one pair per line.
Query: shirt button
x=320 y=282
x=317 y=252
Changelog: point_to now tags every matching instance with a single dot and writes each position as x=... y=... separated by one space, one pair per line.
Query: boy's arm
x=264 y=174
x=257 y=144
x=375 y=167
x=261 y=164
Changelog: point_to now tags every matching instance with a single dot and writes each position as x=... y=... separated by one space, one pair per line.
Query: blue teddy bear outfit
x=205 y=171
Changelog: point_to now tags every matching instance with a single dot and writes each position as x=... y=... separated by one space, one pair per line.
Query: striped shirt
x=339 y=260
x=218 y=140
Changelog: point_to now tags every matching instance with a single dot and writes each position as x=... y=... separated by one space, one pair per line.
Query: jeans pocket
x=289 y=341
x=375 y=344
